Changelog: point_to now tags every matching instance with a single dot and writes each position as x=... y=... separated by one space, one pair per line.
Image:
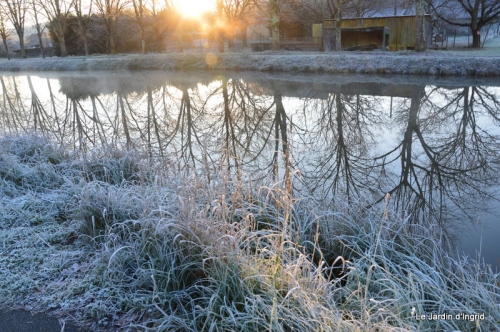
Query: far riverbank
x=476 y=63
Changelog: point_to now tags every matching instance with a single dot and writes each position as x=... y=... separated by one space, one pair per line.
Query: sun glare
x=194 y=8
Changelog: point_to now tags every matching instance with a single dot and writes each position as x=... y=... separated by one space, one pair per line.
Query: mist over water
x=434 y=147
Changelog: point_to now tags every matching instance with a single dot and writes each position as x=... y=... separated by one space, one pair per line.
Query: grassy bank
x=438 y=63
x=124 y=242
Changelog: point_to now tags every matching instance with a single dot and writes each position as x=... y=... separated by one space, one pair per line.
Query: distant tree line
x=109 y=26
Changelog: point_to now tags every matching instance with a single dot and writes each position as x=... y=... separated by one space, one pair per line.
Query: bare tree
x=315 y=11
x=220 y=10
x=110 y=11
x=4 y=32
x=361 y=8
x=272 y=10
x=152 y=15
x=474 y=14
x=275 y=23
x=83 y=20
x=57 y=12
x=140 y=12
x=17 y=15
x=237 y=15
x=159 y=17
x=39 y=27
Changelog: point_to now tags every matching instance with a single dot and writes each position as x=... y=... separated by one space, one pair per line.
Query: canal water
x=433 y=145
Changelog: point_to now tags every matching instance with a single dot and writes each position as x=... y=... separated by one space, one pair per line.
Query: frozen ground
x=457 y=61
x=491 y=47
x=121 y=243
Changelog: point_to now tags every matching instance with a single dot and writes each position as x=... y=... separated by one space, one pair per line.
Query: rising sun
x=194 y=8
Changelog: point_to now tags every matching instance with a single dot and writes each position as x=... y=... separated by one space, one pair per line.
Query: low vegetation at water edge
x=127 y=242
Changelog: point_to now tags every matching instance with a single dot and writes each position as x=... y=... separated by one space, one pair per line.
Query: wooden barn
x=402 y=30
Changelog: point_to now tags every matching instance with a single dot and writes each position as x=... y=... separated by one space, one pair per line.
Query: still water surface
x=434 y=146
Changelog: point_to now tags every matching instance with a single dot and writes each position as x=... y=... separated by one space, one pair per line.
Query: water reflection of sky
x=434 y=147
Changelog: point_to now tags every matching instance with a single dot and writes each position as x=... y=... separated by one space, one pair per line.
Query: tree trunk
x=275 y=25
x=112 y=44
x=338 y=29
x=38 y=31
x=230 y=39
x=476 y=37
x=338 y=36
x=220 y=37
x=83 y=25
x=180 y=42
x=112 y=26
x=4 y=39
x=86 y=45
x=244 y=35
x=21 y=45
x=39 y=34
x=62 y=45
x=420 y=43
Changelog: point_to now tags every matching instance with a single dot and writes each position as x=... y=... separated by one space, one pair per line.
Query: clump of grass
x=162 y=249
x=35 y=180
x=113 y=166
x=397 y=270
x=101 y=205
x=33 y=149
x=31 y=162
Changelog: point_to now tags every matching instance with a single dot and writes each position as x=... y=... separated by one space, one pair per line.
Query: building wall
x=317 y=32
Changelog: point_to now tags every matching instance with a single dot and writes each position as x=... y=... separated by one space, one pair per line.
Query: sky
x=194 y=8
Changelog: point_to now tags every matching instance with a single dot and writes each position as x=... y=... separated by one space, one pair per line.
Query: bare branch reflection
x=434 y=149
x=446 y=159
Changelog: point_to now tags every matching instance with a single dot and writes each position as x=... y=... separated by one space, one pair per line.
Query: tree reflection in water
x=434 y=149
x=339 y=136
x=447 y=159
